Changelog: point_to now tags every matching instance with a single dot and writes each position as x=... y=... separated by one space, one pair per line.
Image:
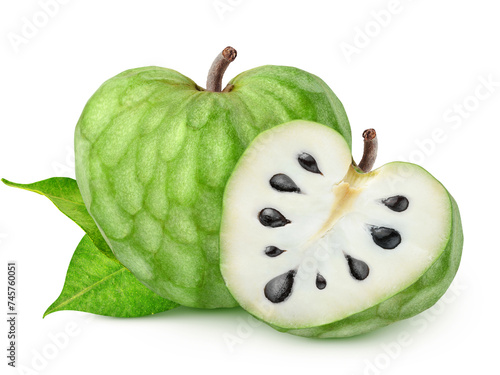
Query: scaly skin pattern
x=153 y=154
x=419 y=296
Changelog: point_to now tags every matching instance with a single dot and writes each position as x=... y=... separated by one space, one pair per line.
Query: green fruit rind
x=154 y=151
x=307 y=93
x=419 y=296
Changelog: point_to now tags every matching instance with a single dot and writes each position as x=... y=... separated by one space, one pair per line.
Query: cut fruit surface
x=308 y=241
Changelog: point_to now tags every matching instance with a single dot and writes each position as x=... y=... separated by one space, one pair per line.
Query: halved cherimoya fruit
x=315 y=247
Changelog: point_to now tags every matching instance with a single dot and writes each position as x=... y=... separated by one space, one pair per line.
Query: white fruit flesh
x=330 y=220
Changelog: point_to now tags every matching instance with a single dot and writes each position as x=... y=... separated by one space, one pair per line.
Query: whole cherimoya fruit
x=153 y=154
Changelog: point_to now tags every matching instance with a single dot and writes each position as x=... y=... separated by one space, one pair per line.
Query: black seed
x=359 y=269
x=282 y=182
x=307 y=162
x=386 y=238
x=273 y=251
x=269 y=217
x=279 y=289
x=397 y=203
x=320 y=282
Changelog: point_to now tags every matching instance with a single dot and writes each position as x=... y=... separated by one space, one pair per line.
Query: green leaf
x=96 y=284
x=64 y=193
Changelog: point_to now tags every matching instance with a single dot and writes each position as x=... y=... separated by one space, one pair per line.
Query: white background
x=425 y=62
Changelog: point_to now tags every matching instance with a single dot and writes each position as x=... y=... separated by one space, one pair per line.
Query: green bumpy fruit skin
x=419 y=296
x=154 y=151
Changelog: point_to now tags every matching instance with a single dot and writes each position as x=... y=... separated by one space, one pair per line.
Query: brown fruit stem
x=369 y=150
x=219 y=66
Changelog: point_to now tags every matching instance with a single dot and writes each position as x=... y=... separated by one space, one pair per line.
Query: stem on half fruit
x=369 y=150
x=219 y=66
